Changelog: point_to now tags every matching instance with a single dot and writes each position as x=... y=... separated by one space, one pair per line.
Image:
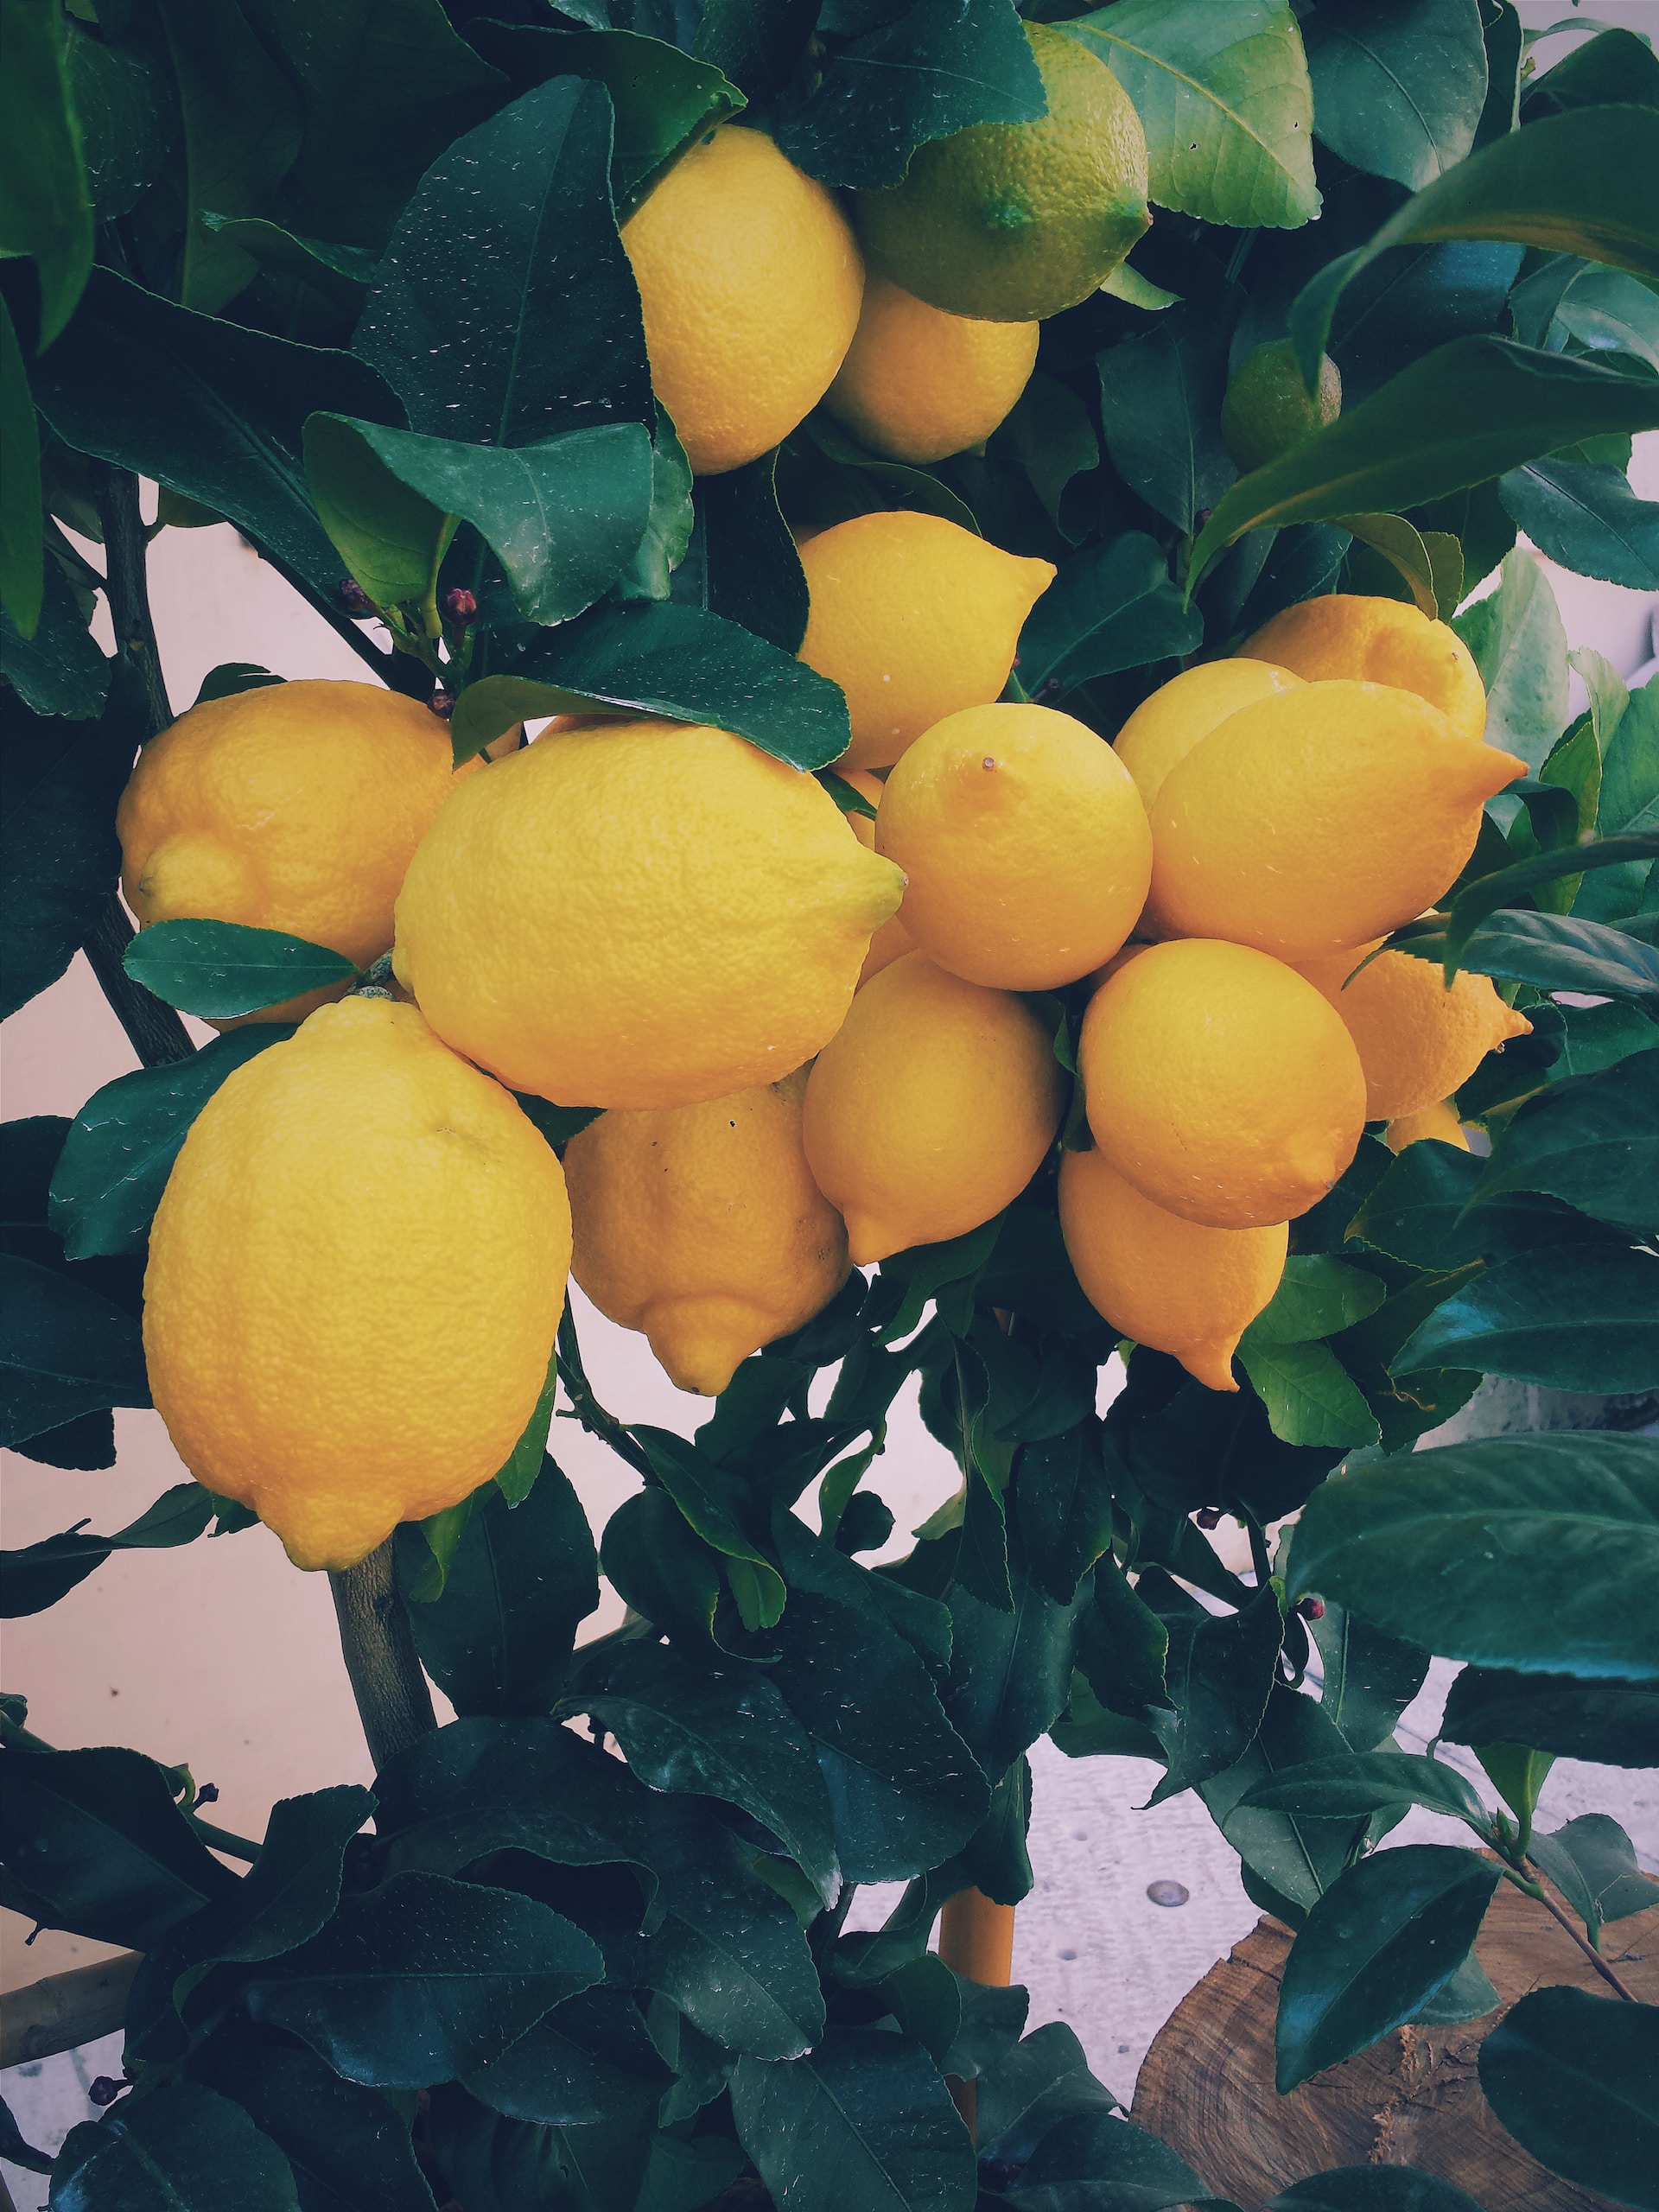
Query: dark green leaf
x=1468 y=412
x=1062 y=1498
x=231 y=676
x=721 y=1733
x=682 y=662
x=1298 y=1859
x=1426 y=1211
x=1553 y=952
x=943 y=65
x=710 y=1501
x=45 y=210
x=746 y=567
x=1613 y=1723
x=1482 y=898
x=39 y=1574
x=1352 y=1785
x=1586 y=516
x=93 y=1842
x=1041 y=2082
x=1310 y=1398
x=424 y=1978
x=1111 y=606
x=494 y=2165
x=1519 y=1551
x=1570 y=2076
x=517 y=1475
x=1316 y=1296
x=291 y=1889
x=589 y=2060
x=179 y=2148
x=14 y=2148
x=522 y=1578
x=59 y=670
x=21 y=568
x=757 y=45
x=342 y=274
x=1122 y=1645
x=1219 y=1671
x=207 y=408
x=1372 y=2188
x=1571 y=1317
x=221 y=968
x=390 y=538
x=925 y=1999
x=1397 y=90
x=64 y=1351
x=1593 y=1863
x=863 y=2123
x=1187 y=1446
x=1160 y=395
x=121 y=1146
x=1010 y=1672
x=1593 y=1141
x=1389 y=1935
x=1616 y=65
x=993 y=2021
x=1519 y=646
x=1370 y=1677
x=59 y=855
x=486 y=335
x=658 y=1565
x=1224 y=99
x=1096 y=2162
x=1399 y=543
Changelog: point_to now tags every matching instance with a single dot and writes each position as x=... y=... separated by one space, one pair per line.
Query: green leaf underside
x=221 y=970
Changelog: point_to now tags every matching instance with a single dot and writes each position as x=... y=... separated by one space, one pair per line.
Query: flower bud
x=353 y=597
x=1311 y=1608
x=442 y=704
x=458 y=605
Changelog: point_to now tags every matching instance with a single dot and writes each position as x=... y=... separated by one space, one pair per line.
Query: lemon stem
x=393 y=1700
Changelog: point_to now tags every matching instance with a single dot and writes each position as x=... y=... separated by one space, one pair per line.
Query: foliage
x=291 y=263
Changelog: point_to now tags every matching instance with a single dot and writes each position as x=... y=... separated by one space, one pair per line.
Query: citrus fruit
x=701 y=1226
x=1165 y=728
x=1221 y=1083
x=1417 y=1040
x=1269 y=409
x=1024 y=845
x=1318 y=819
x=915 y=617
x=1164 y=1281
x=1378 y=641
x=639 y=913
x=931 y=1109
x=1012 y=221
x=892 y=940
x=296 y=807
x=355 y=1275
x=918 y=385
x=749 y=280
x=1438 y=1122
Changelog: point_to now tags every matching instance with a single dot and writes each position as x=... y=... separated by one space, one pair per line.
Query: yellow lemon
x=1173 y=1284
x=639 y=913
x=915 y=617
x=892 y=940
x=1165 y=728
x=918 y=385
x=1024 y=844
x=1417 y=1041
x=931 y=1109
x=1221 y=1083
x=750 y=281
x=1319 y=819
x=1269 y=409
x=701 y=1226
x=355 y=1275
x=1378 y=641
x=296 y=807
x=1011 y=222
x=1438 y=1122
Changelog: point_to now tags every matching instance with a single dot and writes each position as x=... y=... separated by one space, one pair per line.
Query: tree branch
x=153 y=1030
x=126 y=584
x=64 y=2010
x=381 y=1663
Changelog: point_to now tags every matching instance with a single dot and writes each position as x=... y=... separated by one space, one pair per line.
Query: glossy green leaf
x=1111 y=606
x=1593 y=1863
x=1613 y=1723
x=1519 y=645
x=1586 y=516
x=390 y=538
x=657 y=1563
x=1554 y=952
x=1063 y=1501
x=421 y=1978
x=1397 y=90
x=942 y=67
x=1317 y=1296
x=1593 y=1141
x=723 y=1732
x=1577 y=1317
x=1097 y=2159
x=65 y=1350
x=1425 y=1211
x=342 y=274
x=1385 y=1937
x=1308 y=1395
x=179 y=2148
x=682 y=662
x=1372 y=2188
x=1353 y=1785
x=589 y=2060
x=648 y=574
x=1468 y=412
x=757 y=47
x=492 y=2163
x=863 y=2123
x=1524 y=1551
x=222 y=969
x=59 y=670
x=1610 y=311
x=1220 y=1672
x=1010 y=1672
x=45 y=210
x=743 y=563
x=1043 y=2080
x=925 y=1998
x=1298 y=1859
x=121 y=1146
x=22 y=571
x=1570 y=2076
x=1224 y=99
x=1370 y=1677
x=1160 y=395
x=1404 y=549
x=37 y=1575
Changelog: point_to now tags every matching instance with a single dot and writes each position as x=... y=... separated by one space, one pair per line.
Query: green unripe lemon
x=1269 y=409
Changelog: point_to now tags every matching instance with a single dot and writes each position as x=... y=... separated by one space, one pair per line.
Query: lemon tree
x=1056 y=865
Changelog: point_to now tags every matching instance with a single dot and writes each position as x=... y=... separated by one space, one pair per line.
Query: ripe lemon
x=701 y=1226
x=1438 y=1122
x=1024 y=844
x=1181 y=1288
x=1165 y=728
x=1378 y=641
x=1318 y=819
x=931 y=1109
x=1269 y=409
x=1417 y=1041
x=639 y=913
x=892 y=940
x=915 y=617
x=296 y=807
x=355 y=1275
x=1221 y=1083
x=1009 y=222
x=918 y=385
x=750 y=281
